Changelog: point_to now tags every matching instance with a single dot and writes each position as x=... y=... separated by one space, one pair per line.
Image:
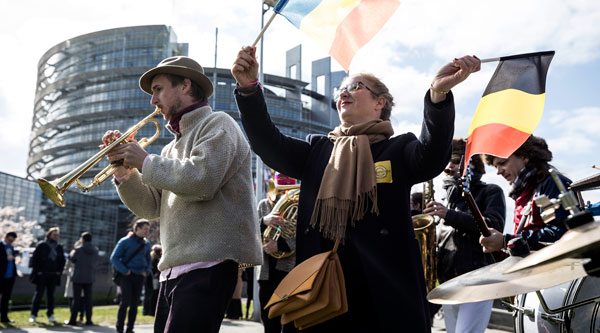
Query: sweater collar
x=175 y=121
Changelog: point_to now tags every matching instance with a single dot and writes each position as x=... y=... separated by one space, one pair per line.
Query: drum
x=532 y=318
x=585 y=318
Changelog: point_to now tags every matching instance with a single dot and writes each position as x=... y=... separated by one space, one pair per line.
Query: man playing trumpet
x=200 y=187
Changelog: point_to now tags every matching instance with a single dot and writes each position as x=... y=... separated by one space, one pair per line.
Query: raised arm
x=430 y=154
x=282 y=153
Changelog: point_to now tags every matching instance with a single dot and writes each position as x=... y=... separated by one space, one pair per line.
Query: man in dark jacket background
x=47 y=263
x=459 y=251
x=8 y=272
x=84 y=259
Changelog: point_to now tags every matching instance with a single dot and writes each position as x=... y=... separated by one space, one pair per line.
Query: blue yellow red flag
x=341 y=27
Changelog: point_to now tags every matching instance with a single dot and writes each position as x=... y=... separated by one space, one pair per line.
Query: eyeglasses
x=352 y=87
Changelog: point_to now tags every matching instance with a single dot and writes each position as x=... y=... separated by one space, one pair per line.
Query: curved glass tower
x=88 y=85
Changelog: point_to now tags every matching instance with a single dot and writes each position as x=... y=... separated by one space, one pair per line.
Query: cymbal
x=575 y=243
x=490 y=282
x=588 y=183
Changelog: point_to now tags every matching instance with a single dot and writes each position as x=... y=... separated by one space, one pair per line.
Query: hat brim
x=200 y=79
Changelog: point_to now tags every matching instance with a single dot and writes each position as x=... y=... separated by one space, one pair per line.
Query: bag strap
x=136 y=252
x=335 y=246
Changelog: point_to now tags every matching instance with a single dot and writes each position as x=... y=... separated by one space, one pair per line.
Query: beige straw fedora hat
x=182 y=66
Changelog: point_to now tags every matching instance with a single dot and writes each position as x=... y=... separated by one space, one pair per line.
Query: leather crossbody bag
x=312 y=292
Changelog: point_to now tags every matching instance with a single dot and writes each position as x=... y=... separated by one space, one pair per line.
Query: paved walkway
x=229 y=326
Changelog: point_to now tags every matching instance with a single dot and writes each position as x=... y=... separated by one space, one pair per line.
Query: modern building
x=82 y=213
x=89 y=84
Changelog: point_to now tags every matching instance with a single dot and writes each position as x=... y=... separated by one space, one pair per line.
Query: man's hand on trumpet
x=130 y=152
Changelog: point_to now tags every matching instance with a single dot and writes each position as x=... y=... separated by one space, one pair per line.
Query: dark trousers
x=82 y=303
x=6 y=287
x=131 y=290
x=265 y=290
x=150 y=297
x=196 y=301
x=47 y=282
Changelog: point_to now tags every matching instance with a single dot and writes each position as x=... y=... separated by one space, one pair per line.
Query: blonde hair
x=381 y=90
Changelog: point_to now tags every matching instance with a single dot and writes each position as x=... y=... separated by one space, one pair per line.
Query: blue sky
x=418 y=39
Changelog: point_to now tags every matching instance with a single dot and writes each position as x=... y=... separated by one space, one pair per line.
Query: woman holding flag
x=352 y=182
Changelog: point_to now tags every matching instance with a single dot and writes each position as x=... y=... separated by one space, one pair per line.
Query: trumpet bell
x=55 y=190
x=52 y=192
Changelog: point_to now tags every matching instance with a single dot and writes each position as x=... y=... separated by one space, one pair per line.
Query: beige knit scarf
x=349 y=181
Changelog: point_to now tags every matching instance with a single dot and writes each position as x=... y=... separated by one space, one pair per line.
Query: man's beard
x=173 y=109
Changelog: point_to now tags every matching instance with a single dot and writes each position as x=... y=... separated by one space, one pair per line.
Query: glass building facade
x=88 y=85
x=82 y=213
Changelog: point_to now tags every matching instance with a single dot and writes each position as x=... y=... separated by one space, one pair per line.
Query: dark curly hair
x=535 y=149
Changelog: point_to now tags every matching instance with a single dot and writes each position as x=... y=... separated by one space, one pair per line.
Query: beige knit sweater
x=201 y=188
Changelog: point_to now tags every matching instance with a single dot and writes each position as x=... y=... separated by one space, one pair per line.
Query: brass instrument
x=287 y=208
x=55 y=189
x=424 y=226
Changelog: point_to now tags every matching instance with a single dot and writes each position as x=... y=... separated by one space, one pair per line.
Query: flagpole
x=489 y=60
x=264 y=29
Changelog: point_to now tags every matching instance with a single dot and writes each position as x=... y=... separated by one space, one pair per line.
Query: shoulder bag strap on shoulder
x=143 y=245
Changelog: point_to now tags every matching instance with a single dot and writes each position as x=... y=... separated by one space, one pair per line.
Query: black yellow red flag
x=511 y=106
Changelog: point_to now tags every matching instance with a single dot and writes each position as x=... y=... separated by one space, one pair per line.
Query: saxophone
x=287 y=208
x=424 y=226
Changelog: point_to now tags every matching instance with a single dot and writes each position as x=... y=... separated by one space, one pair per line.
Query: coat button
x=384 y=232
x=306 y=231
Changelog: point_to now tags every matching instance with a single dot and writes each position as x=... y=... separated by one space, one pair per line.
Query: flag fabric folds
x=511 y=106
x=340 y=26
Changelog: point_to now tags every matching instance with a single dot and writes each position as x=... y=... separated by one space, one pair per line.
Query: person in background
x=8 y=273
x=459 y=251
x=152 y=284
x=84 y=257
x=234 y=310
x=416 y=200
x=47 y=263
x=131 y=257
x=526 y=170
x=274 y=270
x=69 y=268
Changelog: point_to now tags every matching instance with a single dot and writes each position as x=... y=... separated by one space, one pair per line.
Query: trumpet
x=55 y=189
